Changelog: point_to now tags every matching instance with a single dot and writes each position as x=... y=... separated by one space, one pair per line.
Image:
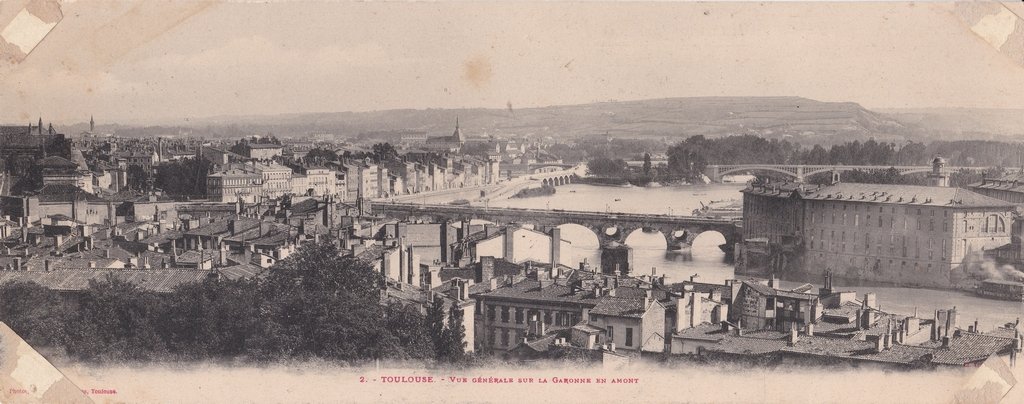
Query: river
x=707 y=261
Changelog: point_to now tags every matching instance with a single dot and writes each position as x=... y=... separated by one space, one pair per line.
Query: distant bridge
x=801 y=171
x=607 y=226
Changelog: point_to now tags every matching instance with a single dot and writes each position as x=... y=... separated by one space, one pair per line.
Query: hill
x=775 y=117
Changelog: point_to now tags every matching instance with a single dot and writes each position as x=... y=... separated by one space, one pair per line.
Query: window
x=504 y=337
x=504 y=314
x=519 y=315
x=629 y=336
x=490 y=313
x=611 y=334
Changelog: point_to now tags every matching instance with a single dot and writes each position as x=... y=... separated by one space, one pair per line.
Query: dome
x=939 y=160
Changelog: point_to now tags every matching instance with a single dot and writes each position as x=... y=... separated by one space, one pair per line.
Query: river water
x=707 y=261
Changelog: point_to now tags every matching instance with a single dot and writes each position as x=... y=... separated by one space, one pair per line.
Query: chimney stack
x=556 y=247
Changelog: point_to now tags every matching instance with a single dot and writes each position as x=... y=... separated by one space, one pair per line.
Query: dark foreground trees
x=313 y=304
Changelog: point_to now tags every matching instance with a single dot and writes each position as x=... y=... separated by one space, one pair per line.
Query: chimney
x=509 y=245
x=810 y=329
x=463 y=291
x=870 y=300
x=879 y=344
x=556 y=247
x=773 y=281
x=945 y=341
x=106 y=253
x=493 y=285
x=887 y=341
x=46 y=265
x=696 y=309
x=793 y=336
x=486 y=269
x=92 y=264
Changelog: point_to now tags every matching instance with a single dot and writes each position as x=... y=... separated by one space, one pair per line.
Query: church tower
x=457 y=136
x=92 y=124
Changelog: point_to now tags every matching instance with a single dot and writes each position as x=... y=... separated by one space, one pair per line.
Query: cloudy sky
x=170 y=62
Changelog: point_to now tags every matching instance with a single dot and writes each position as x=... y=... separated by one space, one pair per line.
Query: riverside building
x=910 y=235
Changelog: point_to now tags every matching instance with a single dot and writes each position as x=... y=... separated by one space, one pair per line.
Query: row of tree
x=689 y=158
x=310 y=305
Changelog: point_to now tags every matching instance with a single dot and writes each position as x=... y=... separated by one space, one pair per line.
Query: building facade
x=914 y=235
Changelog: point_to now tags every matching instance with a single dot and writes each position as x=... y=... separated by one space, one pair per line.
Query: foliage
x=138 y=178
x=320 y=156
x=314 y=304
x=186 y=177
x=384 y=152
x=115 y=320
x=33 y=311
x=607 y=167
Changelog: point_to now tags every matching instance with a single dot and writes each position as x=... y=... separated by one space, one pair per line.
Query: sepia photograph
x=508 y=202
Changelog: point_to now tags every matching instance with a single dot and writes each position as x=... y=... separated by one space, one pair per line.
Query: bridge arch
x=757 y=168
x=643 y=238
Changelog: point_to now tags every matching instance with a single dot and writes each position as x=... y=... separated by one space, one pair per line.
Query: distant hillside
x=955 y=123
x=803 y=119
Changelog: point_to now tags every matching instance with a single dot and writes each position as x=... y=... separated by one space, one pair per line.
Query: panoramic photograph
x=489 y=202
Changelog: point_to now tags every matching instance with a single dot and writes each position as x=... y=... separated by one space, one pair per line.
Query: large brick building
x=913 y=235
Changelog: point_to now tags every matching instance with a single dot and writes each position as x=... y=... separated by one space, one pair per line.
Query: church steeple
x=92 y=124
x=457 y=136
x=40 y=127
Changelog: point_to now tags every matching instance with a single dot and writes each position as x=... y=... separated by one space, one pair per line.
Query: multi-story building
x=277 y=179
x=1009 y=187
x=234 y=184
x=322 y=181
x=918 y=235
x=362 y=179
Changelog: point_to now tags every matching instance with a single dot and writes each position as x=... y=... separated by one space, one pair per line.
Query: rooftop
x=914 y=195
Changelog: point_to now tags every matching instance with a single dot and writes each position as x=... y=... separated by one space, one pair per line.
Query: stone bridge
x=800 y=171
x=679 y=231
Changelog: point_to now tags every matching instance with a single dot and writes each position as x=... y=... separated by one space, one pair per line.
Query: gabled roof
x=622 y=307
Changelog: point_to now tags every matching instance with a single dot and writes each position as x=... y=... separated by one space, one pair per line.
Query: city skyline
x=171 y=63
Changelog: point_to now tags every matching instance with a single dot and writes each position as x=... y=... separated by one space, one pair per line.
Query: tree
x=435 y=325
x=455 y=335
x=320 y=156
x=606 y=167
x=185 y=177
x=647 y=164
x=115 y=321
x=384 y=152
x=36 y=313
x=214 y=318
x=138 y=178
x=320 y=304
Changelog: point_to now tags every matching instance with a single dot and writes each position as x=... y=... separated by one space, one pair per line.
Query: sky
x=169 y=62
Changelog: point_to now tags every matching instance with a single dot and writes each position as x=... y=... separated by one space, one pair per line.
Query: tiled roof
x=157 y=280
x=242 y=271
x=193 y=257
x=622 y=307
x=530 y=290
x=970 y=347
x=914 y=195
x=769 y=291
